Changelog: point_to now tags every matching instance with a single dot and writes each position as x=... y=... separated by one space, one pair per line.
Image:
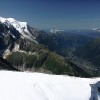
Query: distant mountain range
x=21 y=45
x=73 y=53
x=56 y=31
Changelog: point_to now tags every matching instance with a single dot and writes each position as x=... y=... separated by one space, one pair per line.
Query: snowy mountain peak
x=11 y=19
x=96 y=29
x=56 y=31
x=7 y=20
x=21 y=27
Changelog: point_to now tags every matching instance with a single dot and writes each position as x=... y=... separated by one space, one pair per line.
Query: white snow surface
x=38 y=86
x=21 y=27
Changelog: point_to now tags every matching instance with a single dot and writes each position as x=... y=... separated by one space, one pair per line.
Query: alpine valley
x=73 y=52
x=20 y=46
x=82 y=47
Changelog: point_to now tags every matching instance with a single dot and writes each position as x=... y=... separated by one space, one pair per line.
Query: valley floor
x=38 y=86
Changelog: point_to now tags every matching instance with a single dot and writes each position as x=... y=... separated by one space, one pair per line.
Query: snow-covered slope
x=36 y=86
x=21 y=27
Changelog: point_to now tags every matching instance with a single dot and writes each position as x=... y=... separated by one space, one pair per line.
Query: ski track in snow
x=38 y=86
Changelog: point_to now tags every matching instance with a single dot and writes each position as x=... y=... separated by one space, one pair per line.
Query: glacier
x=21 y=27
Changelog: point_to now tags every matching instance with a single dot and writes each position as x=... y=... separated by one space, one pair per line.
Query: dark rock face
x=8 y=37
x=4 y=65
x=95 y=91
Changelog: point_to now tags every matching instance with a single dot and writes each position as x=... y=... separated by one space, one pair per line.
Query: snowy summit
x=21 y=27
x=36 y=86
x=56 y=31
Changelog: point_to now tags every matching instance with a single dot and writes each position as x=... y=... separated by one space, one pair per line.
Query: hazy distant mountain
x=56 y=31
x=92 y=33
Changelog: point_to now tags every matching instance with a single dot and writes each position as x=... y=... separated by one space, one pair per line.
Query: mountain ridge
x=27 y=55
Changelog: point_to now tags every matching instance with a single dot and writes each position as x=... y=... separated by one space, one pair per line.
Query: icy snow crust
x=37 y=86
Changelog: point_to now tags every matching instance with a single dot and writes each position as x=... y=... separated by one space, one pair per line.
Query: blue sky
x=47 y=14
